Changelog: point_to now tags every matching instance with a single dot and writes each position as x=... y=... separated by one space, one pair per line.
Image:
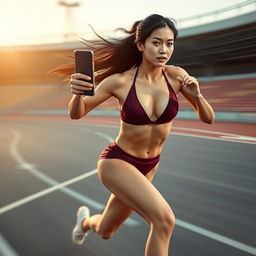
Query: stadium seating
x=223 y=59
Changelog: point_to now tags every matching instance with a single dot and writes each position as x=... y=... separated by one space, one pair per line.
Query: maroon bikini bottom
x=144 y=165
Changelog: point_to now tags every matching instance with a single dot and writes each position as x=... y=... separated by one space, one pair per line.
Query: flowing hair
x=118 y=55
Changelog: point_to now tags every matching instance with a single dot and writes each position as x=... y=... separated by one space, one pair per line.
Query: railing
x=220 y=14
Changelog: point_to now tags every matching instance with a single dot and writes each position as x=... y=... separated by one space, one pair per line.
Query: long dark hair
x=118 y=55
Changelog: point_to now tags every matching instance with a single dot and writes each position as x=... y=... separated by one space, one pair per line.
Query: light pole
x=69 y=18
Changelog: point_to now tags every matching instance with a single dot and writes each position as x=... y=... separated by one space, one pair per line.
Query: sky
x=34 y=21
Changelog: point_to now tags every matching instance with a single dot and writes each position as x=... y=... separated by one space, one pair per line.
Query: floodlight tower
x=69 y=18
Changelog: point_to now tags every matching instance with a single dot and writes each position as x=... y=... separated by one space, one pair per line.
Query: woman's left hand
x=189 y=85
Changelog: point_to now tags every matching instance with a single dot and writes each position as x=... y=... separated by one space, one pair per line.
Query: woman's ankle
x=84 y=225
x=91 y=223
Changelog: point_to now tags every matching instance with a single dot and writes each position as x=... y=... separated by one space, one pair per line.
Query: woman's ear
x=140 y=47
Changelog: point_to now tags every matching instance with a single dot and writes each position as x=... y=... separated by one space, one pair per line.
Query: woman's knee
x=105 y=234
x=164 y=220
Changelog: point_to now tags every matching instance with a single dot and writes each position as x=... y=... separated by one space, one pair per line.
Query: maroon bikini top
x=133 y=113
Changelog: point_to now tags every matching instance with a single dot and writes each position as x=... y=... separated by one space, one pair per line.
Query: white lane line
x=186 y=225
x=206 y=131
x=45 y=192
x=222 y=135
x=103 y=135
x=55 y=185
x=228 y=137
x=110 y=139
x=213 y=183
x=70 y=192
x=202 y=231
x=239 y=138
x=217 y=237
x=5 y=248
x=210 y=138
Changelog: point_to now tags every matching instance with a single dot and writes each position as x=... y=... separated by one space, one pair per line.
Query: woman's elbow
x=75 y=116
x=209 y=120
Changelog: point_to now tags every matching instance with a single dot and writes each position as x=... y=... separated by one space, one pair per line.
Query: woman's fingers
x=80 y=83
x=187 y=80
x=179 y=78
x=78 y=90
x=183 y=84
x=183 y=80
x=80 y=76
x=79 y=86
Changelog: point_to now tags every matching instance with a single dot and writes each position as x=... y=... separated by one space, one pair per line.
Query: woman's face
x=158 y=47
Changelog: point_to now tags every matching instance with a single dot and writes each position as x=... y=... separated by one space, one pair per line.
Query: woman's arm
x=191 y=91
x=76 y=107
x=80 y=105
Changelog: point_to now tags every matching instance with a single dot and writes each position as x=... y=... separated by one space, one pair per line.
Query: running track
x=207 y=175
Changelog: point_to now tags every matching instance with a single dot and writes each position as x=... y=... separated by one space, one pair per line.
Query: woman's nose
x=163 y=49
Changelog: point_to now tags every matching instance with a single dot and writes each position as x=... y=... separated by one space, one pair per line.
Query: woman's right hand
x=78 y=86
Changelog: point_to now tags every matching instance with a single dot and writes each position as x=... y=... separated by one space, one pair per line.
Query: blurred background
x=207 y=173
x=216 y=44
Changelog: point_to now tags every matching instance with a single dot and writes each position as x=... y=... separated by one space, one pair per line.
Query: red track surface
x=242 y=132
x=234 y=95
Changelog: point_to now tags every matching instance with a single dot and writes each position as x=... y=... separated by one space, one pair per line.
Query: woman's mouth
x=162 y=59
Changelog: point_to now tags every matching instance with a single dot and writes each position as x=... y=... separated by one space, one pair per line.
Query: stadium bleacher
x=226 y=48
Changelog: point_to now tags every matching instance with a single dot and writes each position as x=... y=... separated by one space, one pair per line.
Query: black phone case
x=84 y=64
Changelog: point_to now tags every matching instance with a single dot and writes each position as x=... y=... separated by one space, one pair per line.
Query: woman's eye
x=156 y=43
x=170 y=44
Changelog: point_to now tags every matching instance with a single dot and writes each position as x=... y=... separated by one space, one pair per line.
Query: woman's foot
x=78 y=234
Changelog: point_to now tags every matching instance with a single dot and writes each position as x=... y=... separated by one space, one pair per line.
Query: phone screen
x=84 y=64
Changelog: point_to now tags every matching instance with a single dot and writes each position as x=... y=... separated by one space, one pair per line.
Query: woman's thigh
x=132 y=188
x=116 y=212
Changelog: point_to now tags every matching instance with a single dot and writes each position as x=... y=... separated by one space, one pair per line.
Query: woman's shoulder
x=116 y=84
x=118 y=79
x=174 y=71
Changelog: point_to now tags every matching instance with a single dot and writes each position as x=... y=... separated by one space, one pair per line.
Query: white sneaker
x=78 y=235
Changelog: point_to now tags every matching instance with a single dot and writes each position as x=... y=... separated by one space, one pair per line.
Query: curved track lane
x=48 y=170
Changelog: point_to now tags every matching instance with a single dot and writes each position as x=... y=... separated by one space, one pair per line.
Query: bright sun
x=6 y=33
x=10 y=31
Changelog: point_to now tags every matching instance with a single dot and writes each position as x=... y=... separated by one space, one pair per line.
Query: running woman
x=134 y=70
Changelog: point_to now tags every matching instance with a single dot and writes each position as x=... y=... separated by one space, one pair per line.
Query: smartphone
x=84 y=64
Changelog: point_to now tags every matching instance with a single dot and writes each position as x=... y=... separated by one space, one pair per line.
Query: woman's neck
x=149 y=72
